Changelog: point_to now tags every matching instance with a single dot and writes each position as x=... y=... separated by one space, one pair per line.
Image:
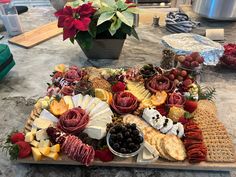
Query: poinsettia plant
x=84 y=21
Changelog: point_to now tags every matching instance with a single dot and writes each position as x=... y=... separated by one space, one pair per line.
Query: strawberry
x=24 y=149
x=190 y=105
x=104 y=155
x=118 y=87
x=15 y=137
x=183 y=120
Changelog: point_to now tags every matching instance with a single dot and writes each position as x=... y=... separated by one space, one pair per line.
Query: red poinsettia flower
x=73 y=20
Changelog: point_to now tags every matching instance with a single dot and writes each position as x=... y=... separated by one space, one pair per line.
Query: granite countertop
x=27 y=81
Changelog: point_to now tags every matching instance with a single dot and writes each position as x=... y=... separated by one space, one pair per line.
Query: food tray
x=128 y=162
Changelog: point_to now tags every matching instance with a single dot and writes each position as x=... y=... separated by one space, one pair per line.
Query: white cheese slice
x=96 y=132
x=68 y=100
x=100 y=106
x=77 y=100
x=85 y=101
x=42 y=123
x=93 y=102
x=41 y=135
x=98 y=122
x=105 y=112
x=147 y=154
x=45 y=114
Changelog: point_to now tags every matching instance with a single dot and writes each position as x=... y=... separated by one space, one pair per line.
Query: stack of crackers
x=170 y=147
x=219 y=144
x=33 y=115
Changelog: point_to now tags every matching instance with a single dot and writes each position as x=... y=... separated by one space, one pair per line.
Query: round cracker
x=174 y=147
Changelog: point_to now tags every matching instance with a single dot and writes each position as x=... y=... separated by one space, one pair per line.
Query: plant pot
x=104 y=49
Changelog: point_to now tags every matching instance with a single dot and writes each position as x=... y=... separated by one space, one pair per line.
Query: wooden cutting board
x=36 y=36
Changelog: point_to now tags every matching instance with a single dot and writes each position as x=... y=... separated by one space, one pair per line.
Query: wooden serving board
x=131 y=162
x=36 y=36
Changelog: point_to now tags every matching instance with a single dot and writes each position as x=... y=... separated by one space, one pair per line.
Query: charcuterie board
x=131 y=162
x=137 y=117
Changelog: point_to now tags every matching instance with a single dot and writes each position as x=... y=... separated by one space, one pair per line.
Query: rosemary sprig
x=206 y=93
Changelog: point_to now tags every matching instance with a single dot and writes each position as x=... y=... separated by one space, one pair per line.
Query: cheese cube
x=33 y=130
x=41 y=135
x=34 y=143
x=36 y=154
x=55 y=148
x=42 y=123
x=53 y=155
x=29 y=137
x=44 y=143
x=44 y=150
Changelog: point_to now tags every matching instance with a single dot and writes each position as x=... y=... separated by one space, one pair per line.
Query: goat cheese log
x=72 y=146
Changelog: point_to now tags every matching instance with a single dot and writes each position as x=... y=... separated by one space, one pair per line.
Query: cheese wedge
x=45 y=150
x=36 y=154
x=95 y=132
x=77 y=100
x=100 y=106
x=42 y=123
x=106 y=112
x=147 y=154
x=29 y=137
x=53 y=155
x=68 y=100
x=45 y=114
x=41 y=135
x=34 y=143
x=55 y=148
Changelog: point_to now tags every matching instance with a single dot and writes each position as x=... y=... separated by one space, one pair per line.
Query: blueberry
x=119 y=136
x=127 y=134
x=129 y=140
x=112 y=131
x=131 y=145
x=135 y=132
x=140 y=139
x=118 y=128
x=123 y=150
x=133 y=126
x=116 y=146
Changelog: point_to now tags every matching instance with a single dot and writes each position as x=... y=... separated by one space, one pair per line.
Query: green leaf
x=116 y=24
x=126 y=29
x=93 y=28
x=72 y=40
x=75 y=3
x=84 y=39
x=188 y=115
x=105 y=17
x=104 y=9
x=133 y=10
x=134 y=33
x=108 y=3
x=121 y=5
x=126 y=17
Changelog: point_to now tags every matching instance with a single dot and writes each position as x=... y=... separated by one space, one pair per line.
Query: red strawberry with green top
x=118 y=87
x=24 y=149
x=15 y=137
x=190 y=105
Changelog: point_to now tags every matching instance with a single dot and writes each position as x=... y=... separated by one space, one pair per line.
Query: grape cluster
x=125 y=138
x=191 y=61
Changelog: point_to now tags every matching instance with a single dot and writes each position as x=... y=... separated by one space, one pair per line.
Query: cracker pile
x=33 y=115
x=219 y=144
x=101 y=83
x=170 y=147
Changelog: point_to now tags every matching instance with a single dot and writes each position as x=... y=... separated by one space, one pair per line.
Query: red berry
x=118 y=87
x=172 y=77
x=180 y=78
x=175 y=72
x=200 y=59
x=194 y=55
x=187 y=82
x=162 y=110
x=184 y=73
x=188 y=58
x=186 y=63
x=183 y=120
x=190 y=105
x=15 y=137
x=24 y=149
x=194 y=64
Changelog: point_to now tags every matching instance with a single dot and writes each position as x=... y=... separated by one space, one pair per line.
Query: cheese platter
x=135 y=117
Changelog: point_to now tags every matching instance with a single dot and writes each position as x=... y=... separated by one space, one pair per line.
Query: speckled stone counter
x=27 y=81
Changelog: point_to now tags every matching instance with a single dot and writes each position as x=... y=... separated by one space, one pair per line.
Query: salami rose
x=176 y=99
x=67 y=90
x=72 y=76
x=73 y=121
x=159 y=83
x=124 y=102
